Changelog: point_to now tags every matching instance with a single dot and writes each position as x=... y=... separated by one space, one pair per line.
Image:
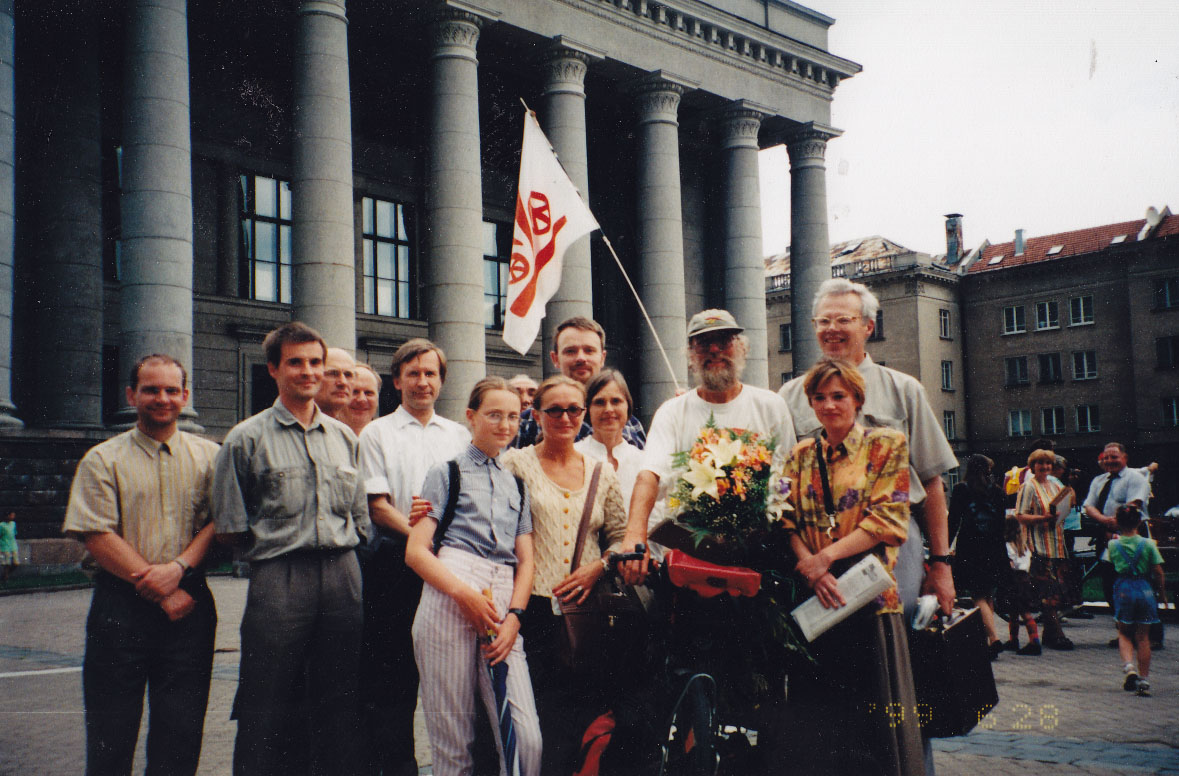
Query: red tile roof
x=1082 y=241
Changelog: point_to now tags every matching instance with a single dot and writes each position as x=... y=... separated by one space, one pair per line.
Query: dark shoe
x=996 y=649
x=1061 y=643
x=1130 y=683
x=1157 y=645
x=1113 y=642
x=1143 y=688
x=1031 y=648
x=1011 y=646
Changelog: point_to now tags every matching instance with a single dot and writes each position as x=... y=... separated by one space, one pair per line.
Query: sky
x=1045 y=115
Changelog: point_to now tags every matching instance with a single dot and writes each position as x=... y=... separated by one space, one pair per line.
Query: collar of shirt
x=848 y=447
x=595 y=446
x=152 y=446
x=480 y=458
x=403 y=418
x=287 y=418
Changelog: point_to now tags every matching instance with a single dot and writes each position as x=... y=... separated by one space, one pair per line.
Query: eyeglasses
x=555 y=412
x=842 y=322
x=498 y=417
x=705 y=341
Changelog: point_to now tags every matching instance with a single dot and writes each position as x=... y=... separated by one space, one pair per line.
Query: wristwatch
x=184 y=567
x=946 y=559
x=518 y=612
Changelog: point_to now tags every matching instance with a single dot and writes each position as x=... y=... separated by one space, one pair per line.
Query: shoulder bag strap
x=586 y=511
x=451 y=504
x=828 y=499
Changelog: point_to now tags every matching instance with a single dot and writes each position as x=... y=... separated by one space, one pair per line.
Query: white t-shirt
x=396 y=451
x=677 y=424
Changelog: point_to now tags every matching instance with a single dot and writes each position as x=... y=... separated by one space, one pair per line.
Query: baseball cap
x=712 y=320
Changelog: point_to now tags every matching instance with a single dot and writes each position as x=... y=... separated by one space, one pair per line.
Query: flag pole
x=625 y=276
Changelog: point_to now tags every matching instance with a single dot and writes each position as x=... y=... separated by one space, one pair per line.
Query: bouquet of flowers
x=721 y=495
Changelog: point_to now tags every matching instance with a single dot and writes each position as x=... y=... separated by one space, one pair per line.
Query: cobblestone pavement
x=1060 y=713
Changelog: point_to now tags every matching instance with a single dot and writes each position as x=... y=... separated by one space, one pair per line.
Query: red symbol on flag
x=534 y=223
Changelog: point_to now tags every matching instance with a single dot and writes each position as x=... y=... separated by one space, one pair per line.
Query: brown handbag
x=593 y=633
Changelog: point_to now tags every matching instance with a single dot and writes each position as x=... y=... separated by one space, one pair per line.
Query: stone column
x=660 y=238
x=745 y=285
x=810 y=249
x=156 y=204
x=8 y=417
x=453 y=261
x=563 y=121
x=323 y=246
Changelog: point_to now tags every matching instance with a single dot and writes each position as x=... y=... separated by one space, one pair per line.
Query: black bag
x=601 y=632
x=952 y=674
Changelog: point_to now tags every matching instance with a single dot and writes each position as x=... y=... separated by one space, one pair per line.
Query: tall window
x=1050 y=369
x=947 y=375
x=497 y=254
x=1017 y=370
x=878 y=329
x=1047 y=316
x=386 y=248
x=785 y=337
x=1088 y=418
x=1166 y=293
x=1080 y=310
x=1019 y=423
x=1084 y=364
x=1168 y=351
x=1171 y=411
x=266 y=238
x=1052 y=420
x=943 y=323
x=949 y=425
x=1013 y=320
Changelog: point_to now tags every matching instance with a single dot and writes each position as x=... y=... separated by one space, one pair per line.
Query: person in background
x=477 y=585
x=526 y=387
x=1035 y=508
x=140 y=503
x=335 y=390
x=1016 y=599
x=8 y=550
x=1136 y=560
x=980 y=563
x=366 y=394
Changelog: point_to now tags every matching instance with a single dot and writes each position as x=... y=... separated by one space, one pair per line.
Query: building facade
x=183 y=177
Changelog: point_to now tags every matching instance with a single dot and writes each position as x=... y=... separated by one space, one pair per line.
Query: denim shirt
x=491 y=511
x=289 y=487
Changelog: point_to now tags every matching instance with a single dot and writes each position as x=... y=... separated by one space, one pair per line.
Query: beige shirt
x=556 y=515
x=155 y=495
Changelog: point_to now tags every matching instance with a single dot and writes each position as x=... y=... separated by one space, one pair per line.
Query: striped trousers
x=452 y=666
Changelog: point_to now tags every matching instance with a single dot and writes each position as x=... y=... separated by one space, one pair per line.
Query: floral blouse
x=1046 y=540
x=869 y=476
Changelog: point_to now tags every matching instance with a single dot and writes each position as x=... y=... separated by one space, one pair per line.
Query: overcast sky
x=1042 y=115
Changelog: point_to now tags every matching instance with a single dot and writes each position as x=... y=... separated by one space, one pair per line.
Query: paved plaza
x=1061 y=713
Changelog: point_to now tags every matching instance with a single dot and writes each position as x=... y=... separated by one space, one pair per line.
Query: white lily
x=724 y=451
x=702 y=477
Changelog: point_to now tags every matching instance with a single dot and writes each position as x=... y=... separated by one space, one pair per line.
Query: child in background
x=8 y=555
x=1016 y=598
x=1135 y=606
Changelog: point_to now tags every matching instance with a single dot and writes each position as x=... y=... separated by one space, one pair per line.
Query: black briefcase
x=952 y=673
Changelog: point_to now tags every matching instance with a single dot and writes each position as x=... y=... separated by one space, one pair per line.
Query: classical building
x=1075 y=336
x=917 y=327
x=183 y=177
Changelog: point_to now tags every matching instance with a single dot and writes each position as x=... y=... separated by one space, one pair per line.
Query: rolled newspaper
x=858 y=585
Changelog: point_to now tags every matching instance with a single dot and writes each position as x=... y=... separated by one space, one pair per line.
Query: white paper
x=858 y=585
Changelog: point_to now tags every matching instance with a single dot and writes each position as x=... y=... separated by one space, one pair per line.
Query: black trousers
x=296 y=702
x=130 y=644
x=388 y=672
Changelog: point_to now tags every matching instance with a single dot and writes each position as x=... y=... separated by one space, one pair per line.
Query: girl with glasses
x=560 y=481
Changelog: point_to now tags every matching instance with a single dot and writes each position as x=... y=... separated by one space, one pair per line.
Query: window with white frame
x=943 y=323
x=1052 y=420
x=950 y=425
x=385 y=246
x=497 y=255
x=953 y=477
x=785 y=337
x=947 y=375
x=1013 y=320
x=1019 y=423
x=1016 y=368
x=1080 y=310
x=1084 y=364
x=1167 y=350
x=1047 y=315
x=1166 y=293
x=1050 y=368
x=266 y=238
x=1171 y=411
x=1088 y=418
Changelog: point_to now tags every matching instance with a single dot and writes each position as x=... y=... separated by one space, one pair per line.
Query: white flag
x=550 y=216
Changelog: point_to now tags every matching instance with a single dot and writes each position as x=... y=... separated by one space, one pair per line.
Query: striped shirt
x=155 y=495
